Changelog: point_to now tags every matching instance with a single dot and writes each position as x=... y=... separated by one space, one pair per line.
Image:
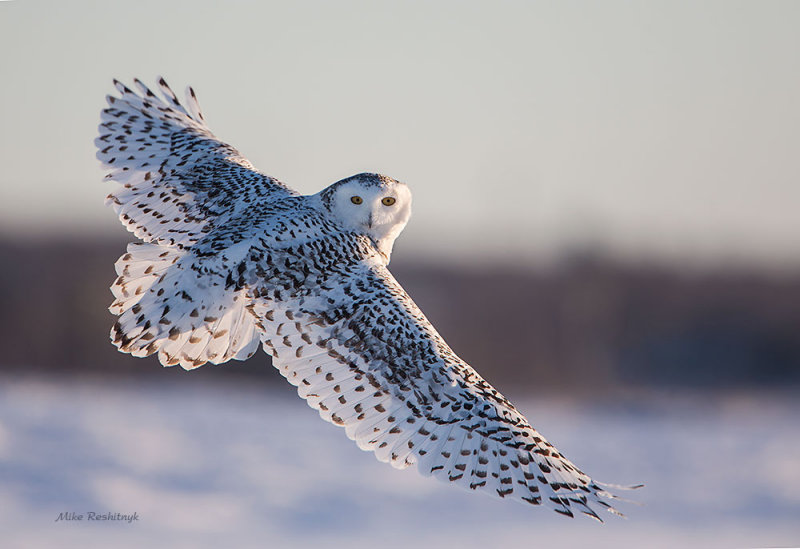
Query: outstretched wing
x=361 y=352
x=178 y=180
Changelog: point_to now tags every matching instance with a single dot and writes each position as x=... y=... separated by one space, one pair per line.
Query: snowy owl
x=231 y=258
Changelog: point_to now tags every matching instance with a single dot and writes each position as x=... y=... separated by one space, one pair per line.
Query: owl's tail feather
x=187 y=317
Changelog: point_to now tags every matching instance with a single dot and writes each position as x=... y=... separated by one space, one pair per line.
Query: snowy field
x=238 y=466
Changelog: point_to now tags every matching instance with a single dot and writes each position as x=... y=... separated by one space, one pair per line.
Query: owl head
x=370 y=204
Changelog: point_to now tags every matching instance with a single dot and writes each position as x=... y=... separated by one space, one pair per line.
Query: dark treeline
x=588 y=324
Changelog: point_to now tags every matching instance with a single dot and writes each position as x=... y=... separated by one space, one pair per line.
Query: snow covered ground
x=236 y=466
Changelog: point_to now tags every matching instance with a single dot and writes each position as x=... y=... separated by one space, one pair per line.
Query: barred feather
x=165 y=307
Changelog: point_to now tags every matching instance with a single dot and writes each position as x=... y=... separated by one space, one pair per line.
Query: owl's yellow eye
x=356 y=199
x=388 y=201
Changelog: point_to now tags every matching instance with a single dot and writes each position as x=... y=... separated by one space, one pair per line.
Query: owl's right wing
x=178 y=180
x=361 y=352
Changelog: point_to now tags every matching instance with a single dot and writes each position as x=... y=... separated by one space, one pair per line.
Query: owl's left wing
x=362 y=353
x=178 y=180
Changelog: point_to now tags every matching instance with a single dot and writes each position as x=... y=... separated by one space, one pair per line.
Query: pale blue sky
x=650 y=129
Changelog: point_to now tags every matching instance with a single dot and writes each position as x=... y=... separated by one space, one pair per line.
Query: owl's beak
x=369 y=223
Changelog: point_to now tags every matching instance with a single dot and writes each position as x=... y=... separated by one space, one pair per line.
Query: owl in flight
x=230 y=258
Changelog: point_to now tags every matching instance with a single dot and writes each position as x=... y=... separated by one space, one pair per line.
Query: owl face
x=372 y=204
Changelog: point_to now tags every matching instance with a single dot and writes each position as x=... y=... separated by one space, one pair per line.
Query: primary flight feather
x=231 y=258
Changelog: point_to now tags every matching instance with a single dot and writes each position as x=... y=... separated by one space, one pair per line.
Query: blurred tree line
x=588 y=324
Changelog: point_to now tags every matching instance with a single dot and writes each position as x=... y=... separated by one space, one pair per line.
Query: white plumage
x=231 y=258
